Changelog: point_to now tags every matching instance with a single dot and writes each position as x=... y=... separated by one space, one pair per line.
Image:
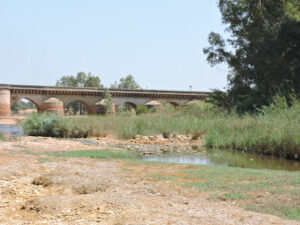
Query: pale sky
x=159 y=42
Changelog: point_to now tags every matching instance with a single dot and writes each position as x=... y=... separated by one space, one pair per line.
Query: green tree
x=127 y=82
x=262 y=53
x=81 y=79
x=21 y=105
x=67 y=81
x=93 y=81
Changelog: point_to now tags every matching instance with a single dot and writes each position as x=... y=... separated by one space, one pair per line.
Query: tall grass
x=273 y=131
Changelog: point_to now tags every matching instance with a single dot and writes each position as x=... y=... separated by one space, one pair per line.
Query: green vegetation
x=21 y=105
x=1 y=137
x=141 y=109
x=101 y=154
x=43 y=125
x=273 y=131
x=51 y=125
x=266 y=191
x=262 y=52
x=127 y=82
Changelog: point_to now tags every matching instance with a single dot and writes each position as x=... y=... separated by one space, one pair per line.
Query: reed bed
x=273 y=131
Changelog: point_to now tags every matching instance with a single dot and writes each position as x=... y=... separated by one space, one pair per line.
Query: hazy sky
x=159 y=42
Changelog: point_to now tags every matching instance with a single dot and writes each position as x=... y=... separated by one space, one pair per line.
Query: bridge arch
x=175 y=104
x=133 y=105
x=38 y=106
x=83 y=106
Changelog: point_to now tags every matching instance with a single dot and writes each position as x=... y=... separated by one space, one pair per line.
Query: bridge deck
x=140 y=93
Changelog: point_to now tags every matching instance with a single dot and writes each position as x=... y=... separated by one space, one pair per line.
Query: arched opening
x=127 y=107
x=77 y=107
x=175 y=104
x=130 y=104
x=100 y=109
x=24 y=106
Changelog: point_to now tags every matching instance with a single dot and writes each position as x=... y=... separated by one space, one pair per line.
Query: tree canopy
x=262 y=53
x=80 y=80
x=127 y=82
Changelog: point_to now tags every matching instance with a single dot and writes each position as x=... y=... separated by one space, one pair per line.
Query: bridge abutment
x=5 y=111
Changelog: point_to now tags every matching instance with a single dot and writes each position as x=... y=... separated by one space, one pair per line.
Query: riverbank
x=274 y=131
x=44 y=180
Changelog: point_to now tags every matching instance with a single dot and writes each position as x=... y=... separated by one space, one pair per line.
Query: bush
x=47 y=125
x=51 y=125
x=141 y=109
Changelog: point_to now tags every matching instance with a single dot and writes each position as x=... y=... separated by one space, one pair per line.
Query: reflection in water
x=227 y=158
x=11 y=131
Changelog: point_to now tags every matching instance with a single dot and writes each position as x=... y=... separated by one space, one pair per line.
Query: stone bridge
x=55 y=99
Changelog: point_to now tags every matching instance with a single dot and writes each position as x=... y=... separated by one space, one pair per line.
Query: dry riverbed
x=38 y=189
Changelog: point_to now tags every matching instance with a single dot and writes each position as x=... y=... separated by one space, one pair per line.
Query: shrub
x=141 y=109
x=43 y=125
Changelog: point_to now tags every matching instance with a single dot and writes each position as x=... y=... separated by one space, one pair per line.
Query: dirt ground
x=93 y=191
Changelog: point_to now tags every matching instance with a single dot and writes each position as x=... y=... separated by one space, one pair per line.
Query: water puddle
x=226 y=158
x=8 y=131
x=87 y=142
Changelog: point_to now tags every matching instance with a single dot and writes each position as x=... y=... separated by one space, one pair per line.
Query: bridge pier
x=53 y=105
x=5 y=104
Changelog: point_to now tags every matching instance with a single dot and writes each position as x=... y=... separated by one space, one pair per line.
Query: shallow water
x=11 y=131
x=227 y=158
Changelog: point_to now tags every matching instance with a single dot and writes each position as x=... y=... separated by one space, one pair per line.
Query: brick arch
x=133 y=105
x=39 y=107
x=173 y=103
x=87 y=106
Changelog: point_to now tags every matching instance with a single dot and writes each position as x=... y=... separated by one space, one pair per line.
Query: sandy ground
x=93 y=191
